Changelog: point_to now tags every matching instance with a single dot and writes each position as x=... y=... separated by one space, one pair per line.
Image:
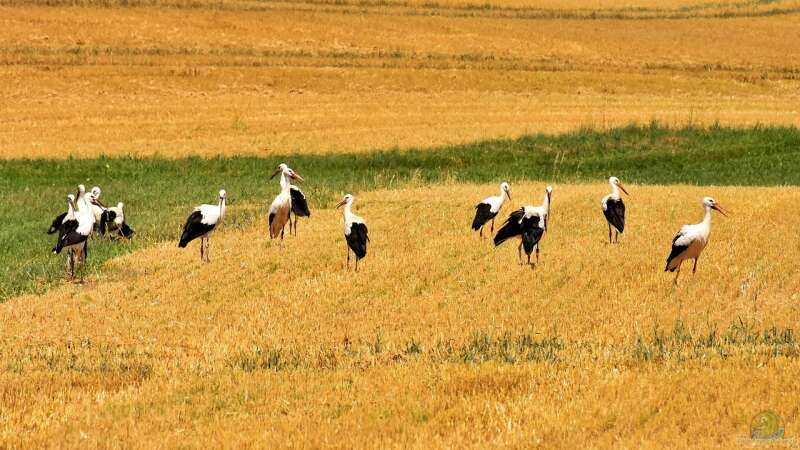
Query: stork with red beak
x=614 y=209
x=355 y=231
x=281 y=207
x=692 y=239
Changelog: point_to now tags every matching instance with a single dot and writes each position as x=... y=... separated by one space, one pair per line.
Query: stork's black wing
x=126 y=231
x=357 y=239
x=483 y=214
x=615 y=214
x=299 y=203
x=531 y=237
x=194 y=228
x=68 y=235
x=56 y=223
x=512 y=227
x=106 y=218
x=676 y=250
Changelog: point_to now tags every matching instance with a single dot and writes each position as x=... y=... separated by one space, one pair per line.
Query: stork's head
x=346 y=200
x=81 y=191
x=120 y=205
x=222 y=194
x=289 y=173
x=89 y=198
x=71 y=200
x=549 y=191
x=614 y=181
x=96 y=192
x=709 y=202
x=504 y=187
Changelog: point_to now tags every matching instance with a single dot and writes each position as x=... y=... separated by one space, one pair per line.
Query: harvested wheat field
x=440 y=339
x=265 y=78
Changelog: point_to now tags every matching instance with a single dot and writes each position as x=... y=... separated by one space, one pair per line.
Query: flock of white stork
x=88 y=215
x=529 y=223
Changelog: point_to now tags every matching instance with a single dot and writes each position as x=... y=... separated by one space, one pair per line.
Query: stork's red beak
x=338 y=205
x=97 y=201
x=719 y=208
x=277 y=171
x=623 y=188
x=297 y=177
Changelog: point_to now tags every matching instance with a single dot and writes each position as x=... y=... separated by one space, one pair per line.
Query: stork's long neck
x=707 y=217
x=503 y=195
x=614 y=191
x=284 y=182
x=221 y=208
x=546 y=203
x=348 y=210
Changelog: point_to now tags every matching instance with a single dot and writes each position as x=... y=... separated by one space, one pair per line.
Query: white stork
x=56 y=224
x=98 y=207
x=355 y=231
x=528 y=222
x=614 y=209
x=692 y=239
x=489 y=207
x=73 y=234
x=113 y=221
x=299 y=207
x=281 y=208
x=201 y=223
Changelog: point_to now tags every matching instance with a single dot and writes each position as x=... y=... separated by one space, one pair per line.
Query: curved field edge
x=159 y=193
x=439 y=338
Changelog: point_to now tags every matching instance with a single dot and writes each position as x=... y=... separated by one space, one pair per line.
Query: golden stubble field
x=261 y=78
x=289 y=349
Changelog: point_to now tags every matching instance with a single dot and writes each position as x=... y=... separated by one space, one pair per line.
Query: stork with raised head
x=299 y=207
x=201 y=223
x=73 y=234
x=692 y=239
x=113 y=221
x=530 y=224
x=56 y=224
x=281 y=208
x=98 y=207
x=614 y=208
x=489 y=207
x=355 y=231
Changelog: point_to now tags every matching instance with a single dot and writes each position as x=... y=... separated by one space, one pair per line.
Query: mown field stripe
x=159 y=193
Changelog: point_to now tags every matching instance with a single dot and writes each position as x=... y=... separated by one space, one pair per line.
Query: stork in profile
x=98 y=207
x=692 y=239
x=113 y=221
x=201 y=223
x=489 y=207
x=74 y=231
x=614 y=208
x=56 y=224
x=281 y=208
x=355 y=231
x=299 y=207
x=530 y=224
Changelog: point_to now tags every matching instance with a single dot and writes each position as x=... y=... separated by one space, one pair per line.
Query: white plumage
x=691 y=240
x=487 y=209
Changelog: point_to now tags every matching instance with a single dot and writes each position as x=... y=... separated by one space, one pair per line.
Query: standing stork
x=281 y=208
x=489 y=207
x=73 y=234
x=614 y=209
x=528 y=222
x=299 y=207
x=355 y=231
x=113 y=220
x=692 y=239
x=97 y=207
x=201 y=223
x=56 y=224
